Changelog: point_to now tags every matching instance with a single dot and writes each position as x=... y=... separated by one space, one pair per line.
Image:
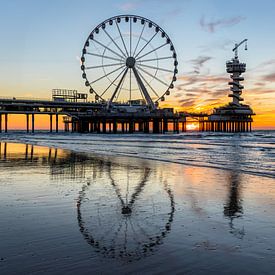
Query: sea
x=189 y=203
x=252 y=153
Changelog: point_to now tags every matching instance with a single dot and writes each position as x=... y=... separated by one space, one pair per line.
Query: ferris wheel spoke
x=156 y=68
x=149 y=85
x=153 y=76
x=104 y=56
x=130 y=84
x=146 y=45
x=114 y=42
x=112 y=82
x=106 y=47
x=122 y=39
x=107 y=74
x=156 y=59
x=118 y=85
x=139 y=39
x=159 y=47
x=130 y=36
x=106 y=65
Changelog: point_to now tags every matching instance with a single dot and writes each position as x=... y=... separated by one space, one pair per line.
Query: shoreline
x=54 y=138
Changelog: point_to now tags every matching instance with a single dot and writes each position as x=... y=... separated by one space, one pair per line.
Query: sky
x=41 y=43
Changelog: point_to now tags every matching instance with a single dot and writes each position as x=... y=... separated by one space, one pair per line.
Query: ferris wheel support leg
x=117 y=88
x=144 y=91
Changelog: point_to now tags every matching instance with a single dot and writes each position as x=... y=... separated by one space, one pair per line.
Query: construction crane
x=237 y=46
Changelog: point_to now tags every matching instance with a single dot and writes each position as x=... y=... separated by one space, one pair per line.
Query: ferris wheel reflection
x=124 y=218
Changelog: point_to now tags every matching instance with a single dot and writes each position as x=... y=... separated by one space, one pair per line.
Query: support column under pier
x=146 y=126
x=104 y=126
x=51 y=123
x=114 y=126
x=56 y=123
x=6 y=123
x=27 y=122
x=140 y=127
x=32 y=123
x=165 y=125
x=131 y=126
x=156 y=126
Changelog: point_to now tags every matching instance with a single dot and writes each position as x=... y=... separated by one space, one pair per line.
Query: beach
x=188 y=204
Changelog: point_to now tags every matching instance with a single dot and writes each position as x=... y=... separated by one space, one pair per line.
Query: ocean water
x=252 y=153
x=194 y=203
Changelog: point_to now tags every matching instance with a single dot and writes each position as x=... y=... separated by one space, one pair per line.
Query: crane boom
x=235 y=49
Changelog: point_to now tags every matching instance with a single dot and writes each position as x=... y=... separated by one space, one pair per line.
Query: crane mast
x=235 y=49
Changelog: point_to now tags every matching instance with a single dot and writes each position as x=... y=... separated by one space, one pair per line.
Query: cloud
x=187 y=102
x=129 y=6
x=268 y=62
x=199 y=62
x=224 y=45
x=133 y=5
x=259 y=91
x=211 y=26
x=259 y=83
x=188 y=80
x=174 y=13
x=269 y=77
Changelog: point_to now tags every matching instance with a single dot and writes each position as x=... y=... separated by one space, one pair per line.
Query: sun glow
x=191 y=126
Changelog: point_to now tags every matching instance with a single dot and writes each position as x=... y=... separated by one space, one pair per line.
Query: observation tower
x=235 y=116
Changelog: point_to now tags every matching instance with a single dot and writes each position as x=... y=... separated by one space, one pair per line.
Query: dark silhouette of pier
x=93 y=117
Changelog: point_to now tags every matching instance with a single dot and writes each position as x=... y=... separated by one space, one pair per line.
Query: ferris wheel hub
x=130 y=62
x=126 y=210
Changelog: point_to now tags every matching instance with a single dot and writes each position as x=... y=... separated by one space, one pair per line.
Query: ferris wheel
x=129 y=59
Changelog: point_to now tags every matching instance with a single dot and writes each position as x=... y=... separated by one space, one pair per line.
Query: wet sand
x=67 y=212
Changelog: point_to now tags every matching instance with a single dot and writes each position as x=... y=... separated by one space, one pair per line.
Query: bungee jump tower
x=235 y=116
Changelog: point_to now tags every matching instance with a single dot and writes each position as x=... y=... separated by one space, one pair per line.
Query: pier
x=131 y=74
x=91 y=117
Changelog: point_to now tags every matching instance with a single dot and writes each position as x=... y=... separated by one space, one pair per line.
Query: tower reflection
x=233 y=208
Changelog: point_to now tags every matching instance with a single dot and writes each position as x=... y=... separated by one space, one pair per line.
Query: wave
x=251 y=153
